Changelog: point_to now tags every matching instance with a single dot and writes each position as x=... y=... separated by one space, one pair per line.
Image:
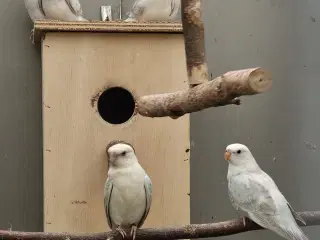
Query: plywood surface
x=75 y=67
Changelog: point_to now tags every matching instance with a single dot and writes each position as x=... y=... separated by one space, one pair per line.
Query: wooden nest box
x=93 y=72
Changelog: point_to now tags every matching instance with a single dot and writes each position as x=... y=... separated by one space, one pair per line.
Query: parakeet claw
x=133 y=231
x=244 y=221
x=121 y=231
x=31 y=34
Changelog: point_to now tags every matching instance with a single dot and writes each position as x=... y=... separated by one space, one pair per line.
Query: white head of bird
x=240 y=156
x=121 y=154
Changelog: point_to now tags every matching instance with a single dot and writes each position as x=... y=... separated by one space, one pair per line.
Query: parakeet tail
x=297 y=234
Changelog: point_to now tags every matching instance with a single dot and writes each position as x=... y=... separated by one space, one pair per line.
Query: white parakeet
x=66 y=10
x=127 y=191
x=34 y=10
x=154 y=10
x=254 y=192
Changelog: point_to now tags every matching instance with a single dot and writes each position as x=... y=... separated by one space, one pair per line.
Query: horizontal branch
x=191 y=231
x=221 y=91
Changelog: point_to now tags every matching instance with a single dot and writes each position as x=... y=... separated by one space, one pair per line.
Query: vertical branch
x=193 y=31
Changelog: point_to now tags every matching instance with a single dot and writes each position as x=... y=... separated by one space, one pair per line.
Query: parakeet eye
x=239 y=151
x=123 y=153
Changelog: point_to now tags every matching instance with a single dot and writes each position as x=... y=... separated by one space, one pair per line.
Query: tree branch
x=221 y=91
x=191 y=231
x=193 y=31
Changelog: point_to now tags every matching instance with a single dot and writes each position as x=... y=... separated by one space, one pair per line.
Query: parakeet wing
x=296 y=215
x=75 y=7
x=148 y=191
x=253 y=197
x=108 y=186
x=40 y=6
x=175 y=5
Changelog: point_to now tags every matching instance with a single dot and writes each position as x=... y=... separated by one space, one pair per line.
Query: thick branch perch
x=191 y=231
x=221 y=91
x=193 y=30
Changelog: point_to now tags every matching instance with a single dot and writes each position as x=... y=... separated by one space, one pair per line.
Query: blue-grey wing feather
x=172 y=7
x=296 y=215
x=108 y=187
x=248 y=200
x=148 y=192
x=256 y=199
x=175 y=5
x=40 y=6
x=74 y=7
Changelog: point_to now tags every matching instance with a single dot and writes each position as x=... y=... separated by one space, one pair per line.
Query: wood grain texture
x=77 y=66
x=41 y=27
x=193 y=30
x=221 y=91
x=190 y=231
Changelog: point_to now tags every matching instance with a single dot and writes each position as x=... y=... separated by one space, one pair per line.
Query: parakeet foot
x=133 y=231
x=121 y=231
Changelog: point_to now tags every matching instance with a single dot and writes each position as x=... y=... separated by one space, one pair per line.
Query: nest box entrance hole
x=116 y=105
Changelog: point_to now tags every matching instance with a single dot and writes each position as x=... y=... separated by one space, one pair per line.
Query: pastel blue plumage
x=127 y=191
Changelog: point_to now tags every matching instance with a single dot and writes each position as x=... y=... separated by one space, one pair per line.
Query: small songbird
x=153 y=10
x=65 y=10
x=254 y=192
x=127 y=191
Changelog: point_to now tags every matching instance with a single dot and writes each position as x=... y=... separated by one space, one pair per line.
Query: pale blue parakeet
x=127 y=191
x=254 y=192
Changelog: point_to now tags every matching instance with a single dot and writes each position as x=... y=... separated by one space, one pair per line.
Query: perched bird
x=34 y=10
x=127 y=191
x=153 y=10
x=67 y=10
x=254 y=192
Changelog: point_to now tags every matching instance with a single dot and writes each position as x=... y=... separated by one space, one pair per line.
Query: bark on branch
x=221 y=91
x=191 y=231
x=193 y=31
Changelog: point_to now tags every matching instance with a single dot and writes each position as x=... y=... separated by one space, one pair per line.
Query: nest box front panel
x=78 y=68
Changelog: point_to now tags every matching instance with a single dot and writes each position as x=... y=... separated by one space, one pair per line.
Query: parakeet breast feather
x=128 y=200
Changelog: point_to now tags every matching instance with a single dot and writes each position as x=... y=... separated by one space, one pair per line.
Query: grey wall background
x=280 y=127
x=283 y=36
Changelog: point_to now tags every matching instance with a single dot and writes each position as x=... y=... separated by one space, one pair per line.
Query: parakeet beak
x=227 y=155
